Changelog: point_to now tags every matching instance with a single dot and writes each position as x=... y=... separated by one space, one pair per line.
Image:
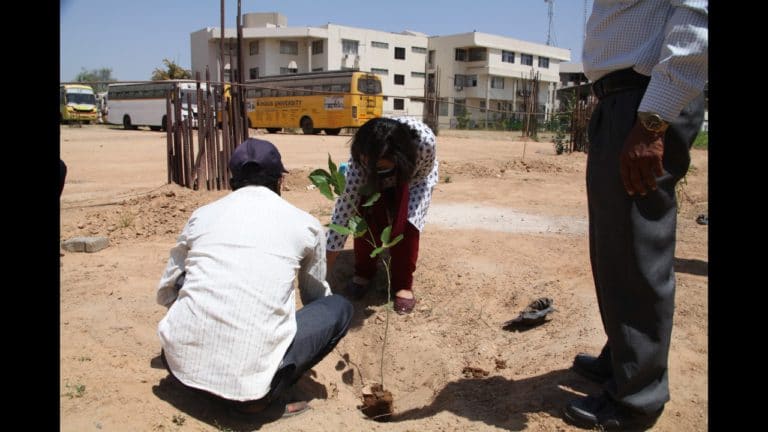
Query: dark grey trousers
x=320 y=325
x=632 y=249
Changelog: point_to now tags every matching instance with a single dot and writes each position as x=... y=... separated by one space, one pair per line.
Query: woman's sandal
x=404 y=305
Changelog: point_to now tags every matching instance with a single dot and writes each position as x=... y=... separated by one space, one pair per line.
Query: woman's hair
x=385 y=138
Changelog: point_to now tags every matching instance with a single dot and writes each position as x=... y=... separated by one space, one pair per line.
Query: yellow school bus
x=314 y=102
x=77 y=102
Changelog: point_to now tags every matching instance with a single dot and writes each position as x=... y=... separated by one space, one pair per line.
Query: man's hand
x=641 y=160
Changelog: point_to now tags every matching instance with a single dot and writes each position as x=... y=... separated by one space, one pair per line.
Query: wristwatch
x=652 y=122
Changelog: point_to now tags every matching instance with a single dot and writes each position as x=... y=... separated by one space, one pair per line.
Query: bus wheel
x=127 y=122
x=307 y=126
x=332 y=131
x=273 y=130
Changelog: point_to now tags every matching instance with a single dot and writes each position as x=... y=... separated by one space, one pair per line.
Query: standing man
x=232 y=330
x=648 y=62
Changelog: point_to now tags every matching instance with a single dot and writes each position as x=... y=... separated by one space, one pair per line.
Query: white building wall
x=371 y=58
x=512 y=73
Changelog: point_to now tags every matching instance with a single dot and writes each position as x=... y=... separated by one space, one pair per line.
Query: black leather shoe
x=600 y=412
x=597 y=369
x=355 y=291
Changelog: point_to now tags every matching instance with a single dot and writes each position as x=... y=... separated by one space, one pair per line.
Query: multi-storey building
x=270 y=47
x=484 y=75
x=479 y=73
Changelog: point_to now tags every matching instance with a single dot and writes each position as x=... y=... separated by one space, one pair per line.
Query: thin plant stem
x=386 y=320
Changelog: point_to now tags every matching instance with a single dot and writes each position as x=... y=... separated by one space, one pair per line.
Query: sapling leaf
x=339 y=183
x=331 y=165
x=320 y=178
x=340 y=229
x=377 y=251
x=385 y=235
x=393 y=242
x=362 y=227
x=370 y=201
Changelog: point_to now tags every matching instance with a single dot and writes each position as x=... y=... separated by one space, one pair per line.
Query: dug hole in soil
x=377 y=403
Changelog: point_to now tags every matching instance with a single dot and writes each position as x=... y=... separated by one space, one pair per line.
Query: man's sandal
x=291 y=409
x=295 y=408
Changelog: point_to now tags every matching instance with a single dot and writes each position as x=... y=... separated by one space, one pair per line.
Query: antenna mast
x=550 y=28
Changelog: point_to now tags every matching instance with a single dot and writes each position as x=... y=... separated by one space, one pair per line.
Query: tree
x=96 y=78
x=173 y=71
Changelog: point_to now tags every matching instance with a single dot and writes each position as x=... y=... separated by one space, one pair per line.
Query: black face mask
x=387 y=178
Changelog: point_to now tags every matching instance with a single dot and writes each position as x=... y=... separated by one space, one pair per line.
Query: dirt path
x=502 y=232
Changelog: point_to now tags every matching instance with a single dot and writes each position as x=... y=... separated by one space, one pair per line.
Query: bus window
x=369 y=86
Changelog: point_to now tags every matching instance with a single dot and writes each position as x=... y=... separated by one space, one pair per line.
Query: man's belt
x=618 y=82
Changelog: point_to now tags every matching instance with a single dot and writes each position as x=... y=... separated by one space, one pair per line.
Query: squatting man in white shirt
x=232 y=330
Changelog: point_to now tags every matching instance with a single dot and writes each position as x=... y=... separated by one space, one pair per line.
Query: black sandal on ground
x=355 y=291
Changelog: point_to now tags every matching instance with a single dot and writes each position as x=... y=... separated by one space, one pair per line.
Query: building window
x=230 y=46
x=253 y=73
x=289 y=47
x=317 y=69
x=419 y=50
x=478 y=54
x=399 y=79
x=461 y=54
x=418 y=75
x=431 y=59
x=380 y=71
x=482 y=105
x=507 y=56
x=285 y=71
x=317 y=47
x=465 y=80
x=544 y=62
x=349 y=46
x=443 y=108
x=253 y=47
x=459 y=107
x=380 y=45
x=497 y=82
x=526 y=59
x=399 y=53
x=399 y=104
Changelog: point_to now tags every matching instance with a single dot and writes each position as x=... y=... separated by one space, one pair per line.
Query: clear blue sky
x=133 y=37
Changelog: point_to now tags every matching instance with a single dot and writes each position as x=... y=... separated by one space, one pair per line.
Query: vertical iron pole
x=242 y=118
x=168 y=137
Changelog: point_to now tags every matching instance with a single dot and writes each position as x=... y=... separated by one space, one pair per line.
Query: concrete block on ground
x=85 y=244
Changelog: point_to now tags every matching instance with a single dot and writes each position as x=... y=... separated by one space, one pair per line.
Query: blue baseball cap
x=260 y=153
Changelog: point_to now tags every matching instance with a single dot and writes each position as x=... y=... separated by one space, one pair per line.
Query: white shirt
x=234 y=318
x=420 y=189
x=664 y=39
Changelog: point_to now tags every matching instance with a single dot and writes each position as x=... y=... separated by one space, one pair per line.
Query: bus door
x=368 y=99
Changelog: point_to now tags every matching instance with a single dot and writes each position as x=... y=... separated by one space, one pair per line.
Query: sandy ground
x=507 y=225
